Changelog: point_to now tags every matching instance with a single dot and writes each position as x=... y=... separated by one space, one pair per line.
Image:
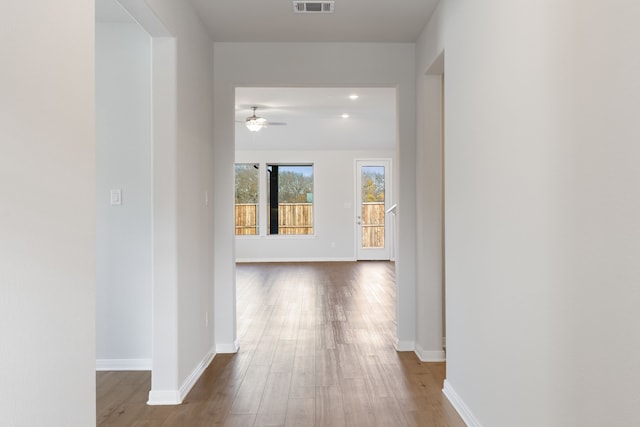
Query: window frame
x=263 y=229
x=257 y=214
x=269 y=225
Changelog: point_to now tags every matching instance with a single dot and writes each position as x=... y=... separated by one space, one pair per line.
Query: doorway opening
x=124 y=276
x=331 y=131
x=148 y=346
x=430 y=242
x=313 y=137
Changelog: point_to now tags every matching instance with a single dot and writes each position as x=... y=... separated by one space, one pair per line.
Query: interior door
x=372 y=199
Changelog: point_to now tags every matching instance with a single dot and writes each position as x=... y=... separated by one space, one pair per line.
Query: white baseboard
x=123 y=364
x=405 y=345
x=429 y=356
x=164 y=397
x=227 y=348
x=257 y=260
x=463 y=410
x=175 y=397
x=195 y=375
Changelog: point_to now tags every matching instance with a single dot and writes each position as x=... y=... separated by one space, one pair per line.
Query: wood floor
x=316 y=349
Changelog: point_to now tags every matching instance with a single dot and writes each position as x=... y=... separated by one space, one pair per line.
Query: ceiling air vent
x=313 y=6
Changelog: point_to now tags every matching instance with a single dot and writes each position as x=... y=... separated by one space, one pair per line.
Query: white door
x=372 y=199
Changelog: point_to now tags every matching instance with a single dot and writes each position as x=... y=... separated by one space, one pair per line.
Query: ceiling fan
x=255 y=123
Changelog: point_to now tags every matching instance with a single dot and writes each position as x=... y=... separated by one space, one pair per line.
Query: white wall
x=123 y=157
x=307 y=65
x=47 y=214
x=182 y=86
x=429 y=225
x=334 y=207
x=194 y=158
x=541 y=208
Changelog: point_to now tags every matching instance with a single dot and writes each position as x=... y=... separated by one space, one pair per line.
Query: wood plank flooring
x=316 y=349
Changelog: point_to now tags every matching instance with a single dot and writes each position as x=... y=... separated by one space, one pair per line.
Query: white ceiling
x=353 y=21
x=313 y=115
x=314 y=118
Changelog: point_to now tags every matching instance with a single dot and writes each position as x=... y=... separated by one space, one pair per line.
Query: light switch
x=116 y=196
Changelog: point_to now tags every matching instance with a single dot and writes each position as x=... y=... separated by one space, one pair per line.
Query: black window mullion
x=273 y=200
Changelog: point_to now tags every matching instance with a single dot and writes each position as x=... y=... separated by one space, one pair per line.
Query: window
x=247 y=193
x=290 y=199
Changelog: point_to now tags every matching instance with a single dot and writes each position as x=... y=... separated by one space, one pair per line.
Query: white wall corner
x=195 y=375
x=429 y=356
x=123 y=364
x=463 y=410
x=405 y=345
x=146 y=17
x=227 y=348
x=164 y=397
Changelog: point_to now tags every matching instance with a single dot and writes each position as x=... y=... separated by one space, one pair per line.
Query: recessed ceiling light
x=345 y=116
x=353 y=96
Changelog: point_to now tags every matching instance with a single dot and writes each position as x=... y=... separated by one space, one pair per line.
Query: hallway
x=316 y=348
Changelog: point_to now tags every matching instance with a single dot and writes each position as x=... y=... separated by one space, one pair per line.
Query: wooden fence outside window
x=297 y=218
x=246 y=219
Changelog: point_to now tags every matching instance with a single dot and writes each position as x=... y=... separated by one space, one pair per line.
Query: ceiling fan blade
x=267 y=123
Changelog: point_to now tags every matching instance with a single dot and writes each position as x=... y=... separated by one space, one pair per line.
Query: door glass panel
x=372 y=191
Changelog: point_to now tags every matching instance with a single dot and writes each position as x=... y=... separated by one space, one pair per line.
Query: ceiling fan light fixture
x=255 y=123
